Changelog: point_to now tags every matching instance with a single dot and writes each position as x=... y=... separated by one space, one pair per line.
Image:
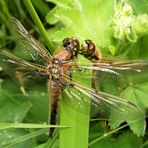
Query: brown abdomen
x=54 y=87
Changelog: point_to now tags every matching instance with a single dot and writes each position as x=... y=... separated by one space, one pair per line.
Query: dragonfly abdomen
x=55 y=93
x=56 y=70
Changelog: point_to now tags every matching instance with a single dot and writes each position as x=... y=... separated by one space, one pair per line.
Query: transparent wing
x=8 y=57
x=21 y=70
x=103 y=105
x=111 y=65
x=123 y=71
x=28 y=42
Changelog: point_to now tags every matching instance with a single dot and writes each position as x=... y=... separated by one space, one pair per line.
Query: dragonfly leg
x=106 y=126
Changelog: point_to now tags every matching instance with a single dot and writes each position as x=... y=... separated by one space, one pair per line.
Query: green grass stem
x=39 y=24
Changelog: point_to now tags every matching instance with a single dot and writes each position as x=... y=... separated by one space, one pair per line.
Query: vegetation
x=118 y=28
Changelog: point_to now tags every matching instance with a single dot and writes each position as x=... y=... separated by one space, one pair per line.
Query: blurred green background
x=118 y=28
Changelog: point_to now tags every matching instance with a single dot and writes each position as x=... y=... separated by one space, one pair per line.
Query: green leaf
x=139 y=97
x=120 y=22
x=50 y=15
x=85 y=20
x=10 y=134
x=41 y=6
x=12 y=110
x=127 y=26
x=140 y=25
x=27 y=125
x=140 y=7
x=39 y=111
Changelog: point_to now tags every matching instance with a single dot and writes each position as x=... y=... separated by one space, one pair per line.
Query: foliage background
x=107 y=23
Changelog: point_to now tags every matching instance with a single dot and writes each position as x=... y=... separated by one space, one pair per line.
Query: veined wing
x=107 y=64
x=97 y=96
x=106 y=106
x=129 y=78
x=119 y=75
x=8 y=57
x=20 y=70
x=114 y=68
x=24 y=73
x=27 y=41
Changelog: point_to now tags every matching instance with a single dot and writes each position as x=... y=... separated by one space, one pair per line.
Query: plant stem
x=105 y=135
x=39 y=24
x=5 y=9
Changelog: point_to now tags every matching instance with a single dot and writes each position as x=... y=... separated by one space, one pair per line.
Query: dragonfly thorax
x=55 y=69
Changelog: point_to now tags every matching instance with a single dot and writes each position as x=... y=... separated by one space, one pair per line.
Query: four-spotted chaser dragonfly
x=59 y=68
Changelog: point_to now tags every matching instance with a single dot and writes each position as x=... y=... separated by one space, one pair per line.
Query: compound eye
x=71 y=44
x=88 y=42
x=76 y=44
x=90 y=47
x=66 y=42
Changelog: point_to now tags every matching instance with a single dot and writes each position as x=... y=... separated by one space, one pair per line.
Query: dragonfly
x=59 y=68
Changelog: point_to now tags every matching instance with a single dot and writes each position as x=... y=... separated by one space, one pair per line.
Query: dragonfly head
x=71 y=44
x=88 y=48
